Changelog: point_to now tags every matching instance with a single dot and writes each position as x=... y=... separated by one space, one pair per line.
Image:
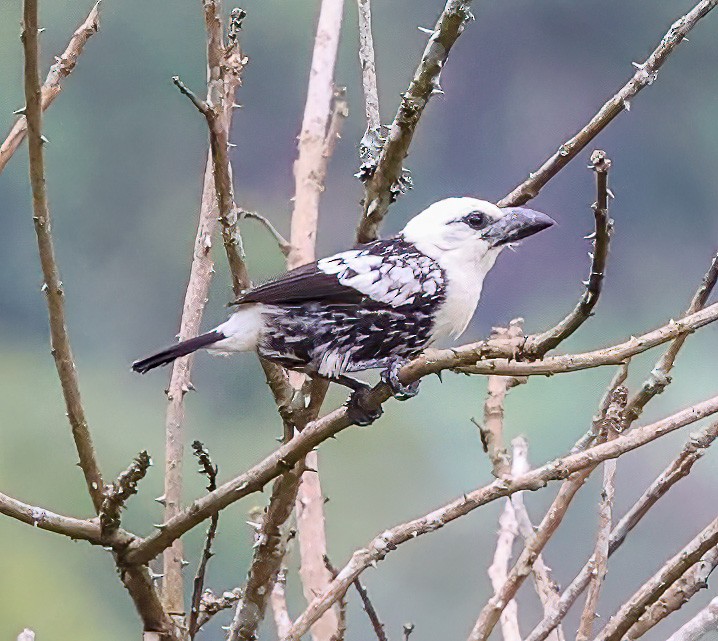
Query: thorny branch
x=660 y=374
x=538 y=345
x=678 y=469
x=430 y=362
x=384 y=178
x=52 y=286
x=221 y=90
x=324 y=113
x=51 y=88
x=645 y=75
x=562 y=468
x=117 y=494
x=210 y=470
x=136 y=579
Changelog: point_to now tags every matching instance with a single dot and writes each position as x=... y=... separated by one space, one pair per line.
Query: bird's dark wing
x=300 y=285
x=389 y=272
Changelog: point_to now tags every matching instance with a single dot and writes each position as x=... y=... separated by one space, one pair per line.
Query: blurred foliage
x=124 y=175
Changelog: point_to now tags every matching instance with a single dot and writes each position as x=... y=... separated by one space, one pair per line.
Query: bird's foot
x=357 y=409
x=400 y=391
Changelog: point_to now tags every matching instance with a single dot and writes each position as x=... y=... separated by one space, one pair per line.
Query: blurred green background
x=125 y=164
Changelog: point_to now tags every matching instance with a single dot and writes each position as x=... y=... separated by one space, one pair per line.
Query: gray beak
x=518 y=223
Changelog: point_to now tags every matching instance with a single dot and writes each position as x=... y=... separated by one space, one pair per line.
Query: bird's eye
x=476 y=220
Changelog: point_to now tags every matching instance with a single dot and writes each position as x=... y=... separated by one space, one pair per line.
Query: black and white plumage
x=376 y=305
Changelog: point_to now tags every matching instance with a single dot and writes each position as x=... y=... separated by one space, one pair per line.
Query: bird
x=374 y=306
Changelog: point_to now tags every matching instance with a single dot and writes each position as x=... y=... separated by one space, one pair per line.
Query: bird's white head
x=475 y=228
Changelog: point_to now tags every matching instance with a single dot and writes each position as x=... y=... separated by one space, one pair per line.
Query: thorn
x=19 y=112
x=44 y=139
x=638 y=65
x=159 y=526
x=184 y=563
x=41 y=29
x=439 y=376
x=627 y=105
x=154 y=576
x=426 y=30
x=162 y=500
x=610 y=193
x=230 y=145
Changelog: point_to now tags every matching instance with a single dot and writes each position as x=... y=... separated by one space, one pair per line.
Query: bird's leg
x=390 y=376
x=357 y=410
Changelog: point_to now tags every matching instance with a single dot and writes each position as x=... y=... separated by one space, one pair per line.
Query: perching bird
x=374 y=306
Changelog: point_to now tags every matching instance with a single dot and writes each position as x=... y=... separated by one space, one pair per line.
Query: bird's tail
x=183 y=348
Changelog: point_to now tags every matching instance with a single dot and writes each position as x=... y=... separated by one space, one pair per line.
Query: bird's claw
x=400 y=391
x=357 y=409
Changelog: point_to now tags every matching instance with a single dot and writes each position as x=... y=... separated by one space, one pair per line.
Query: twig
x=278 y=601
x=490 y=614
x=210 y=604
x=284 y=245
x=368 y=67
x=370 y=610
x=539 y=344
x=652 y=590
x=675 y=597
x=53 y=287
x=646 y=73
x=546 y=587
x=116 y=494
x=600 y=554
x=385 y=181
x=492 y=430
x=562 y=468
x=269 y=550
x=499 y=570
x=678 y=469
x=210 y=470
x=704 y=622
x=342 y=615
x=63 y=67
x=660 y=375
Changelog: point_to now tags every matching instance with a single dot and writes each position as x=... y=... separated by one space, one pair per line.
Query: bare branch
x=660 y=375
x=704 y=622
x=46 y=520
x=562 y=468
x=210 y=470
x=675 y=597
x=470 y=359
x=652 y=590
x=599 y=560
x=490 y=614
x=370 y=610
x=492 y=430
x=117 y=494
x=210 y=604
x=646 y=73
x=499 y=571
x=368 y=67
x=269 y=550
x=63 y=67
x=539 y=344
x=678 y=469
x=546 y=587
x=53 y=287
x=384 y=181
